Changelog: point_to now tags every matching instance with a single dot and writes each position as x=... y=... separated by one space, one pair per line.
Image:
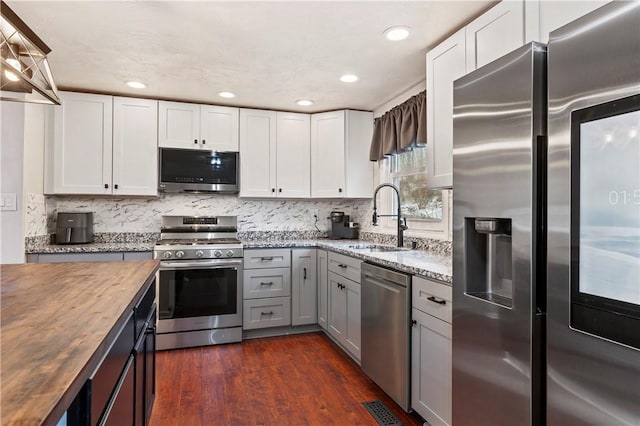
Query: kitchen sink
x=376 y=249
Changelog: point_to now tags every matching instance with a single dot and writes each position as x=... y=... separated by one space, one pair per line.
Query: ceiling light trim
x=401 y=32
x=304 y=102
x=35 y=74
x=227 y=95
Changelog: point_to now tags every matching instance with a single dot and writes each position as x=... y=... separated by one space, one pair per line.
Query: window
x=426 y=210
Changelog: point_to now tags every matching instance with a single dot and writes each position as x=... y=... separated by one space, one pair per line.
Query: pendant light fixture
x=23 y=60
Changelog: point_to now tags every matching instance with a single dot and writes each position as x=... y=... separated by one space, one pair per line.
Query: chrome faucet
x=402 y=221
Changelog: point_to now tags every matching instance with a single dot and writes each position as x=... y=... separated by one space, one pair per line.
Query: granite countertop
x=46 y=248
x=428 y=264
x=418 y=262
x=48 y=356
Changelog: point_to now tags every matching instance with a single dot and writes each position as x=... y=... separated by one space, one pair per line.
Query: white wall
x=12 y=116
x=34 y=137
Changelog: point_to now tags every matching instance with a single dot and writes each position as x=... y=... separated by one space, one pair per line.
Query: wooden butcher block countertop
x=58 y=320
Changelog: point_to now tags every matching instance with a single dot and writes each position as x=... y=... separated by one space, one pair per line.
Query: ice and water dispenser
x=488 y=260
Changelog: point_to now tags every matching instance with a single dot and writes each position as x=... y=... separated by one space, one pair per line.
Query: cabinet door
x=431 y=368
x=497 y=32
x=178 y=125
x=323 y=289
x=337 y=315
x=293 y=171
x=543 y=17
x=135 y=146
x=445 y=63
x=257 y=153
x=358 y=168
x=79 y=162
x=328 y=154
x=352 y=330
x=120 y=410
x=219 y=128
x=304 y=288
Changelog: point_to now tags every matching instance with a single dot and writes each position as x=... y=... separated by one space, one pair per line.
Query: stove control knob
x=229 y=253
x=166 y=255
x=199 y=253
x=217 y=253
x=179 y=254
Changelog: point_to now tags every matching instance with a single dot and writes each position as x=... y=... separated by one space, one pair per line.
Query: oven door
x=199 y=294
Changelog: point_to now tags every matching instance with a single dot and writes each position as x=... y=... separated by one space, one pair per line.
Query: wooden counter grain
x=57 y=322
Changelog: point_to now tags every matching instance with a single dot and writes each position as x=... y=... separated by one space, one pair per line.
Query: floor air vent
x=381 y=413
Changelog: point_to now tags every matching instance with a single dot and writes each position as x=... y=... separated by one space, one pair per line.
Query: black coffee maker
x=341 y=227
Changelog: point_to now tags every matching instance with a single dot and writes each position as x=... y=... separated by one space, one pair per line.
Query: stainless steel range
x=199 y=281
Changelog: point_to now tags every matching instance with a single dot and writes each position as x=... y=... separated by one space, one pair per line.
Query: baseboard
x=279 y=331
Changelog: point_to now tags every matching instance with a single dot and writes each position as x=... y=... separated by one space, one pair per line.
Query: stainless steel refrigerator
x=546 y=272
x=593 y=246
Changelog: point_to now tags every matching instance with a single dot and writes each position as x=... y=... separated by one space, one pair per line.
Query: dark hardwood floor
x=290 y=380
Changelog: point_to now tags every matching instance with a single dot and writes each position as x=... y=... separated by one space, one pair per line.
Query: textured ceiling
x=268 y=53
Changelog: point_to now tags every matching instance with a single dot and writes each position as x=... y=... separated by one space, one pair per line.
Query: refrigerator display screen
x=610 y=207
x=605 y=220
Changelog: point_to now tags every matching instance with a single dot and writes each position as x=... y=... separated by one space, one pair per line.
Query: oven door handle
x=207 y=264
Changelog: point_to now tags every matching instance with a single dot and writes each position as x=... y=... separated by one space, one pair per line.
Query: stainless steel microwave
x=197 y=170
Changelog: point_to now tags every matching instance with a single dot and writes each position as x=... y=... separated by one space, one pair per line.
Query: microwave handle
x=164 y=266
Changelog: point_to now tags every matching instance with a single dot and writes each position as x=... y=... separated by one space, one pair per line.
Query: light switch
x=8 y=202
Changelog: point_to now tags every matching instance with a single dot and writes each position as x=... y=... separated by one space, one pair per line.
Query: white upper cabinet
x=135 y=146
x=293 y=146
x=445 y=63
x=257 y=153
x=193 y=126
x=274 y=154
x=543 y=17
x=102 y=145
x=497 y=32
x=78 y=161
x=219 y=128
x=490 y=36
x=340 y=165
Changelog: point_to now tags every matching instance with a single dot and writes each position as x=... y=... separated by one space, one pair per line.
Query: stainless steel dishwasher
x=386 y=323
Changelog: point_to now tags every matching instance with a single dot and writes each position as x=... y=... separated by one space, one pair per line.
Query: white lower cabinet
x=344 y=313
x=431 y=351
x=263 y=313
x=304 y=289
x=323 y=288
x=266 y=288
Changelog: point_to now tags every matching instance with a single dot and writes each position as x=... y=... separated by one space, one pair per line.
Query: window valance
x=400 y=129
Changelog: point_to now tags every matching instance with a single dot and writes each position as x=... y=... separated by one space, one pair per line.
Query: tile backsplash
x=143 y=215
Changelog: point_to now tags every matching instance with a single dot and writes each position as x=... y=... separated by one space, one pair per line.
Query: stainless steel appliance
x=385 y=328
x=547 y=239
x=498 y=241
x=74 y=227
x=197 y=170
x=593 y=263
x=199 y=281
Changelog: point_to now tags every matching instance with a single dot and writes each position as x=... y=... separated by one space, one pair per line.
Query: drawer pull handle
x=266 y=259
x=304 y=275
x=267 y=283
x=342 y=265
x=414 y=323
x=437 y=300
x=266 y=314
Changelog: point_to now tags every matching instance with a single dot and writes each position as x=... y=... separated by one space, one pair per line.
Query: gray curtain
x=400 y=129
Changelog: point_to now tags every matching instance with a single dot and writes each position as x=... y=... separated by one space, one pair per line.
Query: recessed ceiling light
x=227 y=95
x=349 y=78
x=396 y=33
x=136 y=84
x=304 y=102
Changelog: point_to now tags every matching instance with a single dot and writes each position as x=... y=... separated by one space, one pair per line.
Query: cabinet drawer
x=267 y=258
x=348 y=267
x=262 y=313
x=432 y=298
x=260 y=283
